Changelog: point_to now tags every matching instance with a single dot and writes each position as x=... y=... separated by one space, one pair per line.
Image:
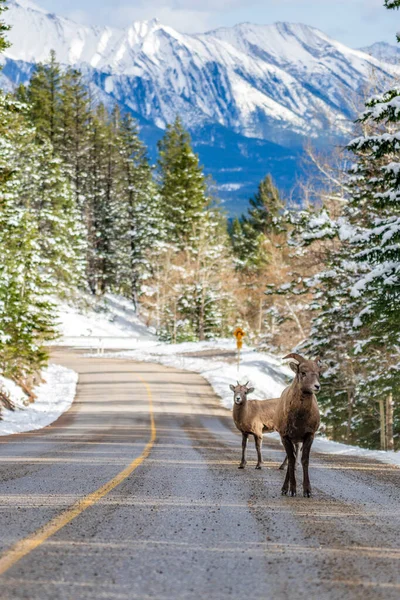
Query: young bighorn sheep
x=297 y=418
x=253 y=417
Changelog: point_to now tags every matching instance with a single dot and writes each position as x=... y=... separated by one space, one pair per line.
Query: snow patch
x=54 y=397
x=112 y=323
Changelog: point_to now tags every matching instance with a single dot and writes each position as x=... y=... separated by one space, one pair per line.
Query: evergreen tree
x=140 y=220
x=44 y=97
x=252 y=233
x=265 y=207
x=26 y=316
x=3 y=28
x=101 y=202
x=183 y=186
x=375 y=207
x=75 y=119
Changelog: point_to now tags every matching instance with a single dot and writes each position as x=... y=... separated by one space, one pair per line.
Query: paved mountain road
x=182 y=522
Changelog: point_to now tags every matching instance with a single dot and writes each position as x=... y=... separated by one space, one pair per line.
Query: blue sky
x=354 y=22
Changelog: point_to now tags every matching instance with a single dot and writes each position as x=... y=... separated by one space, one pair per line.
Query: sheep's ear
x=232 y=387
x=294 y=361
x=250 y=390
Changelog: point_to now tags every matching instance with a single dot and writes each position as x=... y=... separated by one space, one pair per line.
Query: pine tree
x=140 y=220
x=392 y=4
x=26 y=316
x=75 y=119
x=44 y=96
x=375 y=209
x=100 y=204
x=183 y=186
x=3 y=28
x=265 y=207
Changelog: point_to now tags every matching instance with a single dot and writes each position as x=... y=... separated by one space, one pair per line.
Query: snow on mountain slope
x=384 y=52
x=272 y=82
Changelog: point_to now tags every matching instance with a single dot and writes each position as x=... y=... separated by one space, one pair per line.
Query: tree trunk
x=350 y=399
x=382 y=419
x=295 y=319
x=202 y=317
x=389 y=422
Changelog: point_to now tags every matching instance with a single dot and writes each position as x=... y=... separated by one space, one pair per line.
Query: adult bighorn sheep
x=297 y=418
x=252 y=417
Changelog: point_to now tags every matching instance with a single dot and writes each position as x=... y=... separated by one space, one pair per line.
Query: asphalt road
x=135 y=494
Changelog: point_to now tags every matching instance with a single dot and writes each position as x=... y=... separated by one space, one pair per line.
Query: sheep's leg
x=258 y=442
x=305 y=459
x=283 y=465
x=290 y=480
x=244 y=445
x=298 y=453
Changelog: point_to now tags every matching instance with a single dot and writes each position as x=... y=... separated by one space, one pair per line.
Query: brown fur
x=297 y=418
x=253 y=417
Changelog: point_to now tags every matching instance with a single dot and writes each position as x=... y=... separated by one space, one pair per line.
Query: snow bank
x=54 y=397
x=326 y=446
x=112 y=323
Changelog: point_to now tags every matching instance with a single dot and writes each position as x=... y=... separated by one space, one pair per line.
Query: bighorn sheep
x=297 y=418
x=253 y=417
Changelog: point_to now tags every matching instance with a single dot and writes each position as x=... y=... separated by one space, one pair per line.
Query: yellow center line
x=33 y=541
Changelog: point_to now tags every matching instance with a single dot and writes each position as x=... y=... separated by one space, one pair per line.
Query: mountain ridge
x=284 y=83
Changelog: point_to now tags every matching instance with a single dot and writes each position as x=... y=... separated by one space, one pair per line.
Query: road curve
x=135 y=494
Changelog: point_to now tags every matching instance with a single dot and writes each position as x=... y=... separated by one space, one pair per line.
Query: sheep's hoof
x=307 y=494
x=284 y=492
x=258 y=466
x=293 y=493
x=241 y=466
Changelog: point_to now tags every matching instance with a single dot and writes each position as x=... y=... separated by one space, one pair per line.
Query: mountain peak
x=26 y=4
x=143 y=28
x=384 y=52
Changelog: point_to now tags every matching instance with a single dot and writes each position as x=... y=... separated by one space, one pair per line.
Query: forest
x=82 y=208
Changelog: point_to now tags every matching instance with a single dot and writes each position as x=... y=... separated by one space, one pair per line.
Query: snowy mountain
x=384 y=52
x=270 y=86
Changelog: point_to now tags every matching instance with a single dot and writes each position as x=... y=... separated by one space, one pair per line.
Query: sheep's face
x=240 y=393
x=307 y=373
x=308 y=376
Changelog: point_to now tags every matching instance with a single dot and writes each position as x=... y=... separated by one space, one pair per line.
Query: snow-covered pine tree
x=3 y=28
x=101 y=202
x=333 y=310
x=187 y=291
x=259 y=225
x=265 y=207
x=139 y=217
x=26 y=316
x=392 y=4
x=183 y=186
x=375 y=213
x=44 y=97
x=75 y=117
x=208 y=296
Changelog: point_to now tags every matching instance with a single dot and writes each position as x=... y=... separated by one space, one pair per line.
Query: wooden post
x=383 y=428
x=389 y=422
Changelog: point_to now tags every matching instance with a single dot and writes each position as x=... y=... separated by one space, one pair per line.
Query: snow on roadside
x=54 y=397
x=326 y=446
x=110 y=323
x=264 y=371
